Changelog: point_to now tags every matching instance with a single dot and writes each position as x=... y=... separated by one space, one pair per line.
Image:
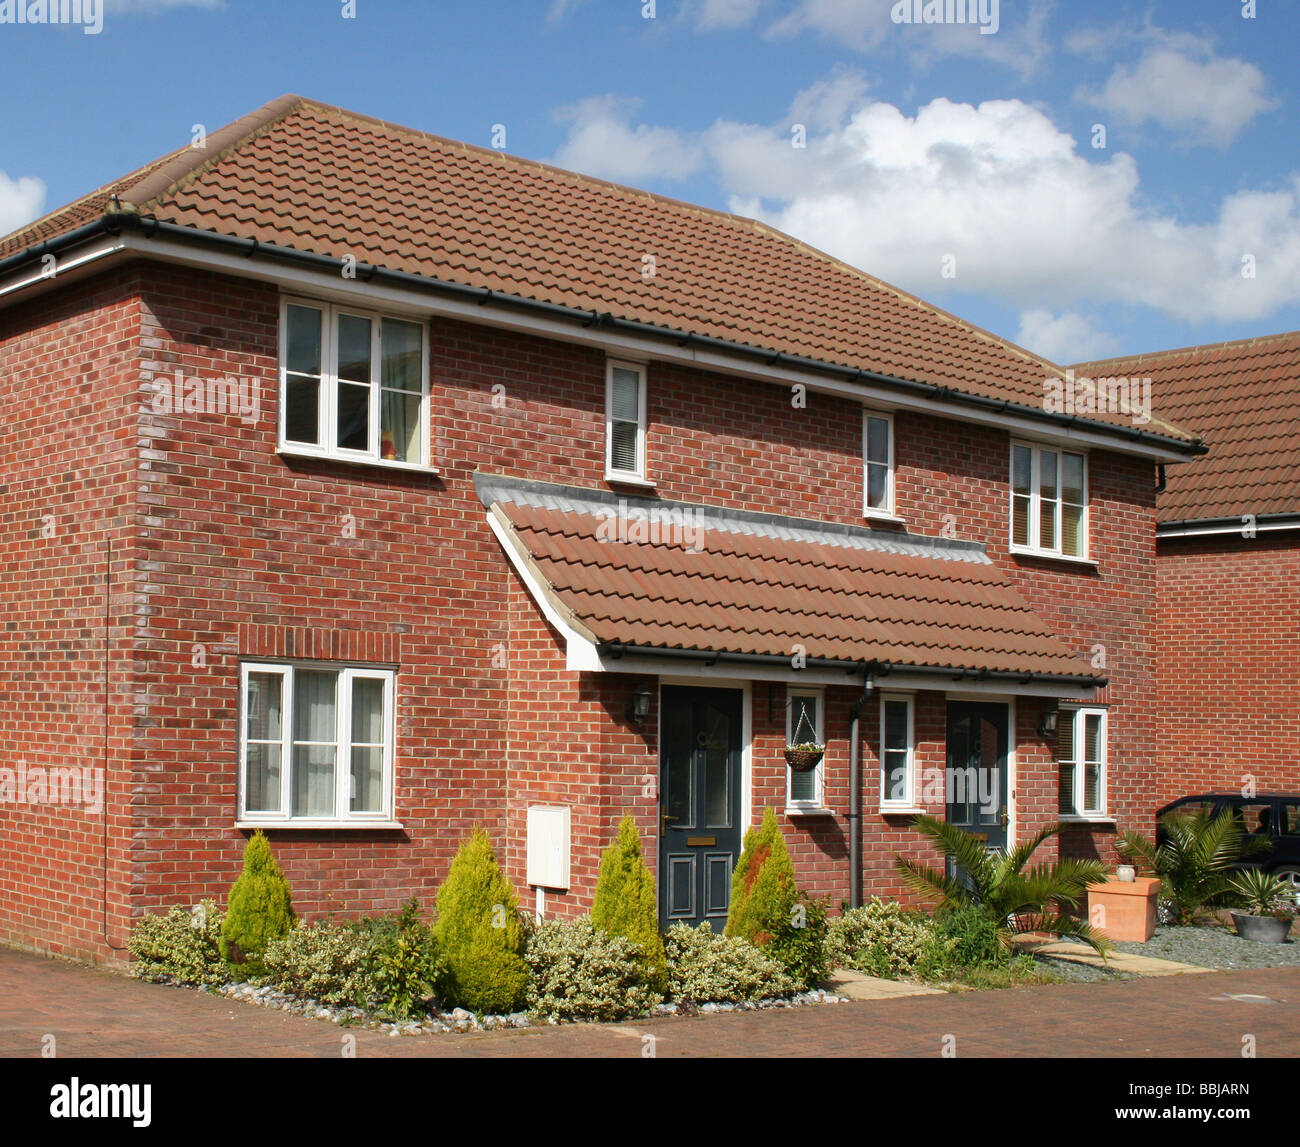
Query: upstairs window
x=1049 y=501
x=877 y=464
x=625 y=422
x=354 y=385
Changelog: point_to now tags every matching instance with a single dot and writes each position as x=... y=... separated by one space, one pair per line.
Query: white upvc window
x=625 y=424
x=805 y=721
x=1049 y=501
x=316 y=745
x=354 y=385
x=877 y=464
x=897 y=752
x=1081 y=736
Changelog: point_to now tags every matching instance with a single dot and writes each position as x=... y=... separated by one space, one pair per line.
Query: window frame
x=345 y=674
x=1081 y=713
x=889 y=510
x=1033 y=546
x=327 y=410
x=818 y=803
x=640 y=475
x=907 y=803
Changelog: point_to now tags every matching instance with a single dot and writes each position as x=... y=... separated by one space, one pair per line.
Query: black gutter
x=482 y=295
x=1288 y=521
x=616 y=649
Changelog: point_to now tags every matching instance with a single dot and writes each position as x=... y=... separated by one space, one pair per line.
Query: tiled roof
x=315 y=178
x=762 y=585
x=1243 y=398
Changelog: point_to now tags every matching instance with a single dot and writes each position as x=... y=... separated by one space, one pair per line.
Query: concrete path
x=1116 y=961
x=93 y=1013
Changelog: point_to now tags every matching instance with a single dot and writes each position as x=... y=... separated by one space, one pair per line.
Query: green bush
x=886 y=940
x=625 y=903
x=325 y=962
x=582 y=973
x=402 y=965
x=705 y=968
x=971 y=937
x=479 y=933
x=763 y=891
x=799 y=943
x=183 y=946
x=259 y=909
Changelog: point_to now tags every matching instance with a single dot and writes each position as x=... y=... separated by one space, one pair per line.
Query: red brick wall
x=1228 y=658
x=68 y=452
x=234 y=538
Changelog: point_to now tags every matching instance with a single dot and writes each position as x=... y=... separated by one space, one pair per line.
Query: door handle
x=664 y=818
x=1005 y=818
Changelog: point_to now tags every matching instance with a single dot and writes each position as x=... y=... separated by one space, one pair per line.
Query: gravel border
x=1213 y=946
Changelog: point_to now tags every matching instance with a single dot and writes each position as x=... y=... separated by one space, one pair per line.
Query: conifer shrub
x=579 y=972
x=705 y=968
x=259 y=908
x=625 y=902
x=182 y=946
x=479 y=934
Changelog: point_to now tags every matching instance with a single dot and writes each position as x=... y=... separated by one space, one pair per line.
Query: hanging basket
x=803 y=760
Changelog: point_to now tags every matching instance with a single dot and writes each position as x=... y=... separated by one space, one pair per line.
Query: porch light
x=638 y=705
x=1047 y=725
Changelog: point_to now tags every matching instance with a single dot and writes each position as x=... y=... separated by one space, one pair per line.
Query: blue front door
x=977 y=770
x=699 y=794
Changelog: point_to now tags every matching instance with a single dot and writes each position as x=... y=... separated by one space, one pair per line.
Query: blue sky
x=955 y=163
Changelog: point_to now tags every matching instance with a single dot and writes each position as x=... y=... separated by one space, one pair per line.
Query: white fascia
x=617 y=344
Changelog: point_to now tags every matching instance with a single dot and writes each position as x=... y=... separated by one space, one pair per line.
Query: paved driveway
x=93 y=1013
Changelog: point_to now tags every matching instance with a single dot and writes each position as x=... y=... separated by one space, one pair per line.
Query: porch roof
x=643 y=576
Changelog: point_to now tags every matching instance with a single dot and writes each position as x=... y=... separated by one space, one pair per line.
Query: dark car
x=1274 y=817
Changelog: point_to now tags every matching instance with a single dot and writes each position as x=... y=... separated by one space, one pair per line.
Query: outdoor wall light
x=1047 y=725
x=638 y=705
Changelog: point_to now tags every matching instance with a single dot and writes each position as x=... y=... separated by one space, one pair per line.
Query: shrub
x=972 y=938
x=625 y=903
x=706 y=968
x=479 y=933
x=402 y=966
x=183 y=946
x=259 y=909
x=325 y=962
x=582 y=973
x=885 y=940
x=763 y=891
x=799 y=942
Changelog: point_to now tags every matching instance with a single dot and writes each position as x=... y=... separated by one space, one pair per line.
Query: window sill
x=1096 y=818
x=881 y=516
x=616 y=479
x=380 y=463
x=808 y=810
x=899 y=810
x=307 y=822
x=1045 y=555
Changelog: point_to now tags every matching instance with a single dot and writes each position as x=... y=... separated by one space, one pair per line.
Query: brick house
x=1228 y=567
x=365 y=486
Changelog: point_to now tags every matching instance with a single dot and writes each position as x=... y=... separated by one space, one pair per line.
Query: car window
x=1258 y=816
x=1289 y=824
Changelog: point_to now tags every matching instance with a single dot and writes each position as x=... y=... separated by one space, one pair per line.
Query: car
x=1274 y=817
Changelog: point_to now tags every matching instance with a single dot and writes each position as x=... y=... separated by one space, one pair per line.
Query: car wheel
x=1290 y=874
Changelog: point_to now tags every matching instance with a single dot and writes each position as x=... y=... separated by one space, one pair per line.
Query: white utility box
x=548 y=846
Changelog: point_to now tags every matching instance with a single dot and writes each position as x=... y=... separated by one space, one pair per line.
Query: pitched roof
x=1243 y=398
x=701 y=578
x=316 y=178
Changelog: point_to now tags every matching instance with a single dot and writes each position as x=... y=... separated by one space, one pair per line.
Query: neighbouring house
x=1228 y=568
x=364 y=486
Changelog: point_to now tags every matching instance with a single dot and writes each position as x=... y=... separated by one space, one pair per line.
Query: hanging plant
x=802 y=756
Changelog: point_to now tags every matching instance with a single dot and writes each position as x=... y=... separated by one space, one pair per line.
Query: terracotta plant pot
x=1263 y=929
x=803 y=760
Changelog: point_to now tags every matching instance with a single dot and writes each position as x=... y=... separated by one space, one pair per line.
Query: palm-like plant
x=1194 y=861
x=999 y=886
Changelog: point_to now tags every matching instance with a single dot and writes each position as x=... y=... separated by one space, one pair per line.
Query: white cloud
x=1024 y=215
x=1188 y=90
x=603 y=142
x=1067 y=337
x=21 y=201
x=713 y=14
